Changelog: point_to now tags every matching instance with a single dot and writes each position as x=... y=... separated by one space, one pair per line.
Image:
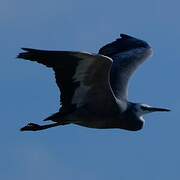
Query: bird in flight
x=94 y=87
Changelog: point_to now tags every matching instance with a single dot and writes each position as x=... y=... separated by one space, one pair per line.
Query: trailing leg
x=37 y=127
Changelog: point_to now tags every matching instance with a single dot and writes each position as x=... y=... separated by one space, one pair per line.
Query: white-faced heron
x=94 y=87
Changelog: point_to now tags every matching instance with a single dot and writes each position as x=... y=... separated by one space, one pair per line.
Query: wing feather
x=82 y=78
x=128 y=53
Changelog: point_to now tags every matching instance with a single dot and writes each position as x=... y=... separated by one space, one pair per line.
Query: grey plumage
x=94 y=87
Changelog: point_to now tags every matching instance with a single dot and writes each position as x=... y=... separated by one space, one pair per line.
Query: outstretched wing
x=127 y=53
x=81 y=77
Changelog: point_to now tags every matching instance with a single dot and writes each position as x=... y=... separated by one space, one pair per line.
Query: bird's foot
x=31 y=127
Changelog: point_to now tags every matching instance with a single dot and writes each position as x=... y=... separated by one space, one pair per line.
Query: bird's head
x=141 y=109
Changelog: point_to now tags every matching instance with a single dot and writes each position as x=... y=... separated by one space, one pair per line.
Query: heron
x=94 y=86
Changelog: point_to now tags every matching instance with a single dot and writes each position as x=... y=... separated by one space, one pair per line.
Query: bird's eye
x=144 y=108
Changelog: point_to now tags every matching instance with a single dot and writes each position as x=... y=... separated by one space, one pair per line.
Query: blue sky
x=29 y=92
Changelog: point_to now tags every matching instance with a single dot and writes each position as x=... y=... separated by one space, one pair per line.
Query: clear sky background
x=29 y=93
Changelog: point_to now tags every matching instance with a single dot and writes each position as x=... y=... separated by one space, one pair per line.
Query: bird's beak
x=155 y=109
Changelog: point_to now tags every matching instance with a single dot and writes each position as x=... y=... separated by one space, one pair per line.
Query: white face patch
x=145 y=105
x=140 y=111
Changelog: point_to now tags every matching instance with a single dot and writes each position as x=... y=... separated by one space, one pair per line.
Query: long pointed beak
x=155 y=109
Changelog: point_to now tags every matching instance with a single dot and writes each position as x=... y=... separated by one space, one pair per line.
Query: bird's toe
x=31 y=127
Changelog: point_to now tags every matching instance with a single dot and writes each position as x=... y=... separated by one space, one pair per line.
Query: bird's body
x=123 y=120
x=94 y=87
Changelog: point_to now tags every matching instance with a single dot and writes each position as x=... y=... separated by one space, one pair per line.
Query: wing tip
x=22 y=54
x=27 y=53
